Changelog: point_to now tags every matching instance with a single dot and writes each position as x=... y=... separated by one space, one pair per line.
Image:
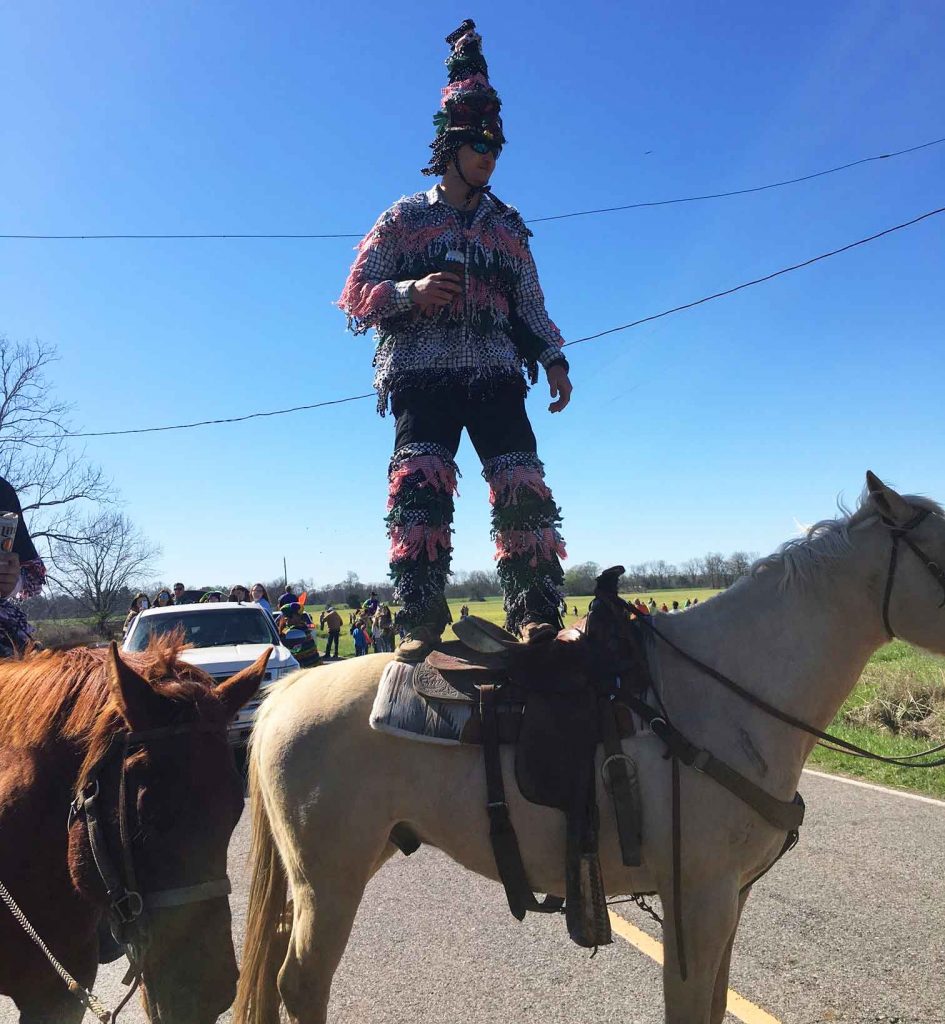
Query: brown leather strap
x=508 y=857
x=783 y=815
x=677 y=873
x=620 y=780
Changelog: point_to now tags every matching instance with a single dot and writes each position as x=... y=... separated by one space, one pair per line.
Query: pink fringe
x=511 y=242
x=540 y=544
x=483 y=296
x=503 y=488
x=436 y=474
x=362 y=299
x=411 y=543
x=464 y=86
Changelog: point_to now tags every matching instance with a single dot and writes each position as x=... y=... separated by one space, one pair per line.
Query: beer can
x=9 y=521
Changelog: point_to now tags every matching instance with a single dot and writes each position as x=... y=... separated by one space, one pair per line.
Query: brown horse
x=118 y=796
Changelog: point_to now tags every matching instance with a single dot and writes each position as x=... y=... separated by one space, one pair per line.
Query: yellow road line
x=738 y=1006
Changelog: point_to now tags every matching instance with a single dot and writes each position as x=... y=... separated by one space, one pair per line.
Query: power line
x=743 y=191
x=576 y=341
x=760 y=280
x=531 y=220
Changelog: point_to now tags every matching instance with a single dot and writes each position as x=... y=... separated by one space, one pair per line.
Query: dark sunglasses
x=486 y=147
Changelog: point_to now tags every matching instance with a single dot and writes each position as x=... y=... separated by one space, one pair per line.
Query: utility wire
x=576 y=341
x=532 y=220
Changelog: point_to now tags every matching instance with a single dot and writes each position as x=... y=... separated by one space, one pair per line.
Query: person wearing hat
x=447 y=280
x=333 y=622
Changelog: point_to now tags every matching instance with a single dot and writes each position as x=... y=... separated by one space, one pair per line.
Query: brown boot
x=418 y=643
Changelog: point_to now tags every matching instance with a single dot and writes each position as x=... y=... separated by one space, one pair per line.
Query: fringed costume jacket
x=497 y=325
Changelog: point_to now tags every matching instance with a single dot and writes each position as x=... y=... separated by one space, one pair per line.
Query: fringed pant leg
x=422 y=480
x=525 y=522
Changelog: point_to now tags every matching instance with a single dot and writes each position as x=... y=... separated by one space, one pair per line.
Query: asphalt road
x=849 y=928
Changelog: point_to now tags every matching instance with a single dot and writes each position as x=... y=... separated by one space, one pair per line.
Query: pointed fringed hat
x=469 y=109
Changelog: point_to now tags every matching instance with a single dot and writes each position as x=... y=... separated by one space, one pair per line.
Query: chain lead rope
x=89 y=999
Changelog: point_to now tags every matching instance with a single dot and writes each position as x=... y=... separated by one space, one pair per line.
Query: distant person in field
x=652 y=605
x=663 y=607
x=22 y=575
x=360 y=641
x=332 y=621
x=383 y=626
x=675 y=606
x=447 y=280
x=575 y=610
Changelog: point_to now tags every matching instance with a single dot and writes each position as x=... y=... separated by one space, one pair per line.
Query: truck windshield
x=207 y=628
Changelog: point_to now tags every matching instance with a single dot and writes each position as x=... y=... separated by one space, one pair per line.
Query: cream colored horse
x=326 y=789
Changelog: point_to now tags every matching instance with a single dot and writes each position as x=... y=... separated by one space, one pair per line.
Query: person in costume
x=22 y=575
x=447 y=280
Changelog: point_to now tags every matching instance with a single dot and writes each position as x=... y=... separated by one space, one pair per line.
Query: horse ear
x=132 y=694
x=889 y=503
x=236 y=691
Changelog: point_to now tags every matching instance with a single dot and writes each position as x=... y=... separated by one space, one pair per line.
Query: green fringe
x=532 y=512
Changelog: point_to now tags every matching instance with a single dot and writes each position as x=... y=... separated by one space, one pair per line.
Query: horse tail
x=266 y=943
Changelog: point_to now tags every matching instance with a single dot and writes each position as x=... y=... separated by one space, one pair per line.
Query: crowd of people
x=371 y=625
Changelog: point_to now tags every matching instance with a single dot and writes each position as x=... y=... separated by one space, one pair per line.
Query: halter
x=898 y=533
x=126 y=902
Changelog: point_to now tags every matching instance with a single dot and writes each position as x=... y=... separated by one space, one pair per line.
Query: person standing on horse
x=447 y=280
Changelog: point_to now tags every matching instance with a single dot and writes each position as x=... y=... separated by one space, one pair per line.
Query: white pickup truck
x=225 y=637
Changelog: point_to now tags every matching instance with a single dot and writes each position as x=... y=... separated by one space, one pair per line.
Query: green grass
x=897 y=708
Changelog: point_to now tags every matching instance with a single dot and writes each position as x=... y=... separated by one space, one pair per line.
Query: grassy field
x=898 y=706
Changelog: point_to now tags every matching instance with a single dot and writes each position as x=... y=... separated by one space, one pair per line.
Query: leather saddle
x=556 y=697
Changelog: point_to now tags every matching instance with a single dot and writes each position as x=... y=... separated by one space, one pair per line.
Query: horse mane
x=47 y=696
x=827 y=540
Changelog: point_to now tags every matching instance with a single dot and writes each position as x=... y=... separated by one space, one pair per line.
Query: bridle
x=128 y=905
x=899 y=533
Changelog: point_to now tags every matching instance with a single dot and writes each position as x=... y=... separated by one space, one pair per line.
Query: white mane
x=827 y=540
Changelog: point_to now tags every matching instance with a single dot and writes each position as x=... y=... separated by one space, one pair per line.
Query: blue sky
x=714 y=429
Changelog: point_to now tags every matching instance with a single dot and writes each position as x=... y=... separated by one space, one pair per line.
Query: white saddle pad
x=398 y=710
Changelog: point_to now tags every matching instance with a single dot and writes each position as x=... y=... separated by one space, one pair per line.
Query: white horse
x=326 y=789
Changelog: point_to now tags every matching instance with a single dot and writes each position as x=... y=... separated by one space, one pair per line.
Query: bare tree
x=99 y=569
x=739 y=562
x=55 y=483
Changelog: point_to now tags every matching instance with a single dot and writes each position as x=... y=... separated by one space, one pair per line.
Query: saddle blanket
x=400 y=710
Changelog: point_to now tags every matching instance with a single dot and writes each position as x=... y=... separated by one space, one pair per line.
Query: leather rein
x=897 y=533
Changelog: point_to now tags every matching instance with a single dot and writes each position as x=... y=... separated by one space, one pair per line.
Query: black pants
x=525 y=518
x=497 y=423
x=333 y=635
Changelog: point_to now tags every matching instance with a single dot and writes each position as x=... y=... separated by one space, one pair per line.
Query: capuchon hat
x=469 y=109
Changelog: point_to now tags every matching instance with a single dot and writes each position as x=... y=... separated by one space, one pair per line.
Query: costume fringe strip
x=529 y=546
x=420 y=513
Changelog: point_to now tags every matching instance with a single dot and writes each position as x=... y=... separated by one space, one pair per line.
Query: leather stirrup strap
x=508 y=857
x=621 y=781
